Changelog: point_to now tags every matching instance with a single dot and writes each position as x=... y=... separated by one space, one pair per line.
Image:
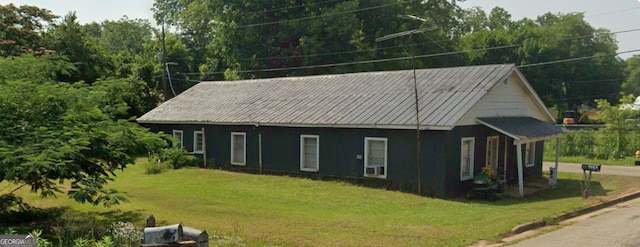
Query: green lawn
x=550 y=155
x=258 y=210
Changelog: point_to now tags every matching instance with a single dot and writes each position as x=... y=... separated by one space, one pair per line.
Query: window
x=309 y=153
x=198 y=142
x=492 y=151
x=238 y=148
x=529 y=154
x=177 y=136
x=375 y=157
x=466 y=158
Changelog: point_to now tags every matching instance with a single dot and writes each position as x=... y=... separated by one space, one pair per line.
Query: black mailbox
x=591 y=167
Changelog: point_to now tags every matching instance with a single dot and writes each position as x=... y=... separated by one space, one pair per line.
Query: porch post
x=555 y=178
x=204 y=148
x=520 y=176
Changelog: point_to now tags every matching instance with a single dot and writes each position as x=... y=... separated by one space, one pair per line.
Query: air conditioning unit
x=375 y=170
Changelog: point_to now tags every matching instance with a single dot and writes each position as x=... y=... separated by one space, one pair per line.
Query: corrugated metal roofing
x=372 y=99
x=522 y=128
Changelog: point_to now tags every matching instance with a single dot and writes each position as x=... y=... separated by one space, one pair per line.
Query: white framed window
x=238 y=148
x=467 y=147
x=178 y=137
x=529 y=154
x=492 y=151
x=375 y=157
x=309 y=153
x=198 y=142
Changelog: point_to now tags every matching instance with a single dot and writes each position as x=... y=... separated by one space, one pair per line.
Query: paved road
x=617 y=227
x=606 y=169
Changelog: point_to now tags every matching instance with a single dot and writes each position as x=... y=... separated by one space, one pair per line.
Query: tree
x=56 y=132
x=618 y=127
x=268 y=37
x=552 y=38
x=20 y=29
x=69 y=39
x=37 y=69
x=631 y=84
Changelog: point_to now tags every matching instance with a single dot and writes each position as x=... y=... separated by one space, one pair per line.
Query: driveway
x=606 y=169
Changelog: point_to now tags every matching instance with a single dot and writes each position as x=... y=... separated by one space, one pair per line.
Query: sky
x=615 y=15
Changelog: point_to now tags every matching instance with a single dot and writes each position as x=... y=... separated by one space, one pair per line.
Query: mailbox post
x=587 y=179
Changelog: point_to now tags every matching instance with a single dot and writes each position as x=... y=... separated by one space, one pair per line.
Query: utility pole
x=415 y=90
x=163 y=60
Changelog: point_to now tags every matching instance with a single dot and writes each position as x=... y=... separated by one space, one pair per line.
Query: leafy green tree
x=124 y=98
x=20 y=29
x=552 y=38
x=57 y=132
x=38 y=69
x=618 y=125
x=69 y=39
x=236 y=36
x=631 y=84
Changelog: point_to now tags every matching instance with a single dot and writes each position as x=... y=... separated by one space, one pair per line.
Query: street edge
x=564 y=216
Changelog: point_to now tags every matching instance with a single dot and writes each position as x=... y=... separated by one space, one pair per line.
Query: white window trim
x=195 y=142
x=495 y=156
x=471 y=158
x=532 y=162
x=302 y=158
x=244 y=136
x=366 y=155
x=181 y=137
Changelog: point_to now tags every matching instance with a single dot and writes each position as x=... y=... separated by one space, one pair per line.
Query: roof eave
x=257 y=124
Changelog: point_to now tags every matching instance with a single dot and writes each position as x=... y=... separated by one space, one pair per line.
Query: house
x=363 y=126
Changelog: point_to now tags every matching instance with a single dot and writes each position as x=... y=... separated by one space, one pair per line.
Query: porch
x=525 y=132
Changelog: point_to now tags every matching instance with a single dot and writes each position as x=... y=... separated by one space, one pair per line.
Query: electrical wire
x=404 y=58
x=322 y=16
x=292 y=7
x=166 y=65
x=576 y=59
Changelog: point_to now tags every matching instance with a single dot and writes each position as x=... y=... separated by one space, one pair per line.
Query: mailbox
x=163 y=235
x=591 y=167
x=201 y=237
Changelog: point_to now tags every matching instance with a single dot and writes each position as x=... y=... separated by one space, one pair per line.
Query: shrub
x=157 y=167
x=124 y=234
x=177 y=157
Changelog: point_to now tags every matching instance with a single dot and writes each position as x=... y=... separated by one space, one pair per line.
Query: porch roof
x=523 y=129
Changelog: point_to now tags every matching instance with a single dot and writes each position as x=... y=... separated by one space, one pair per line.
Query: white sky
x=615 y=15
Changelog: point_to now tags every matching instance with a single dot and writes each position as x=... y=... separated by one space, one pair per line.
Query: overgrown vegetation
x=620 y=138
x=170 y=158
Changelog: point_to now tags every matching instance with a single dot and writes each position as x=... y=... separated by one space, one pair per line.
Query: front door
x=492 y=152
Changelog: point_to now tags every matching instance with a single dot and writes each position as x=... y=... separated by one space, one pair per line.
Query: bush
x=157 y=167
x=176 y=157
x=599 y=144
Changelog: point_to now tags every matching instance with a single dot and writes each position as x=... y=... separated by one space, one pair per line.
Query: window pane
x=466 y=165
x=198 y=142
x=177 y=135
x=310 y=146
x=238 y=148
x=376 y=153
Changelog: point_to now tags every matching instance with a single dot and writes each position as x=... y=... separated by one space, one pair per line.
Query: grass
x=257 y=210
x=624 y=161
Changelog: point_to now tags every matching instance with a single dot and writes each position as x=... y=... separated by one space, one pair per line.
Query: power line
x=420 y=56
x=576 y=59
x=292 y=7
x=612 y=12
x=424 y=43
x=322 y=16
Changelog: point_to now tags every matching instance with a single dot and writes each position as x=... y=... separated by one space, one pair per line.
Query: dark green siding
x=342 y=153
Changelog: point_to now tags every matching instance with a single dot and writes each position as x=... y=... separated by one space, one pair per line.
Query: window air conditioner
x=376 y=170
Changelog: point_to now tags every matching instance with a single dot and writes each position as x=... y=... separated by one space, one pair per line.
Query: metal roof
x=357 y=100
x=524 y=129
